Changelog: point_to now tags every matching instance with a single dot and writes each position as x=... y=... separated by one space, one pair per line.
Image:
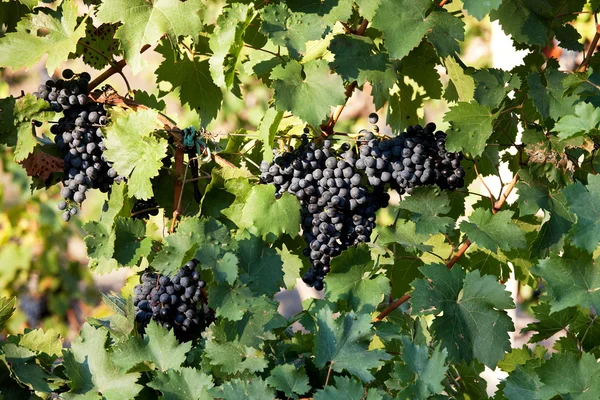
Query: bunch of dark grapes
x=79 y=138
x=341 y=190
x=143 y=209
x=414 y=158
x=34 y=307
x=174 y=302
x=339 y=210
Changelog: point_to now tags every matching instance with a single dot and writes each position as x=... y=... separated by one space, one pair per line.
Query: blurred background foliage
x=43 y=260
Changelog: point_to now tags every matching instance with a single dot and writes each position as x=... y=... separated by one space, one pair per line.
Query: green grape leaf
x=11 y=13
x=420 y=376
x=355 y=60
x=158 y=347
x=256 y=325
x=207 y=240
x=582 y=201
x=292 y=264
x=520 y=356
x=7 y=308
x=488 y=263
x=427 y=205
x=523 y=383
x=566 y=374
x=192 y=77
x=234 y=358
x=463 y=83
x=131 y=241
x=269 y=217
x=266 y=131
x=226 y=269
x=368 y=8
x=404 y=233
x=48 y=343
x=355 y=57
x=573 y=279
x=289 y=380
x=229 y=301
x=25 y=369
x=144 y=23
x=568 y=37
x=182 y=384
x=211 y=237
x=307 y=90
x=345 y=389
x=16 y=128
x=402 y=110
x=480 y=8
x=394 y=16
x=474 y=323
x=550 y=99
x=291 y=29
x=493 y=231
x=344 y=342
x=240 y=188
x=419 y=65
x=445 y=30
x=524 y=25
x=493 y=85
x=62 y=36
x=117 y=205
x=352 y=280
x=260 y=266
x=92 y=368
x=226 y=43
x=584 y=121
x=534 y=195
x=236 y=389
x=100 y=240
x=134 y=151
x=99 y=45
x=404 y=271
x=331 y=11
x=471 y=125
x=549 y=323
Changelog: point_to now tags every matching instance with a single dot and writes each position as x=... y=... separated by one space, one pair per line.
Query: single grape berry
x=373 y=118
x=67 y=73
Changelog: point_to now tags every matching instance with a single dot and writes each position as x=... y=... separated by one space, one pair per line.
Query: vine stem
x=591 y=50
x=328 y=127
x=328 y=373
x=392 y=307
x=492 y=199
x=114 y=69
x=461 y=251
x=178 y=190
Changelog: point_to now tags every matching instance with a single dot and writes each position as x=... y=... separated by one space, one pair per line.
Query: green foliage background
x=419 y=312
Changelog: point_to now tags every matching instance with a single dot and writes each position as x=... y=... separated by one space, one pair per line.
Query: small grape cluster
x=341 y=190
x=143 y=209
x=79 y=138
x=174 y=302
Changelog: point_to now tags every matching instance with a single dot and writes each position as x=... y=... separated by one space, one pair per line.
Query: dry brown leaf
x=42 y=164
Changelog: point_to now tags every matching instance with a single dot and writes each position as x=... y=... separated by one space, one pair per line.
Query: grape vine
x=268 y=246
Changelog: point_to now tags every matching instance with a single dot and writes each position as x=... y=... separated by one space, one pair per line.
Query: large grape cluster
x=174 y=302
x=341 y=190
x=79 y=138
